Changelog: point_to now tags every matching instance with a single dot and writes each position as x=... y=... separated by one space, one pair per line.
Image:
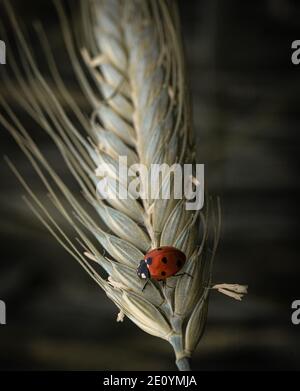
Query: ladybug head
x=143 y=271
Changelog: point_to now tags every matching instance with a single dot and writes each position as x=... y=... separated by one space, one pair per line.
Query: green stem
x=183 y=364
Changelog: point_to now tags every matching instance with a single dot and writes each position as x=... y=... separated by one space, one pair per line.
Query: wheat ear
x=139 y=109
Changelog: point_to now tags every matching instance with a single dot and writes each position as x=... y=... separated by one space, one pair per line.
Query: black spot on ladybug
x=159 y=249
x=163 y=273
x=179 y=263
x=164 y=260
x=149 y=261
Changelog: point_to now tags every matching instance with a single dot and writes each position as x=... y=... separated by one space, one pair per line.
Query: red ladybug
x=161 y=263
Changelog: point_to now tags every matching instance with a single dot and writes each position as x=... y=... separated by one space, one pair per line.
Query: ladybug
x=161 y=263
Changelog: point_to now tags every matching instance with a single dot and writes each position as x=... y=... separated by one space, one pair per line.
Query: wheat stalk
x=132 y=50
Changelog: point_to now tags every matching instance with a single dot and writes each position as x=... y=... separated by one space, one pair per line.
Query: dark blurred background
x=245 y=93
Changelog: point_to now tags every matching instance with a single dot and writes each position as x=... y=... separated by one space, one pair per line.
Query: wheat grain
x=133 y=52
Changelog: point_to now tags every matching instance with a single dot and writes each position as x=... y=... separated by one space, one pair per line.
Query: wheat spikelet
x=139 y=109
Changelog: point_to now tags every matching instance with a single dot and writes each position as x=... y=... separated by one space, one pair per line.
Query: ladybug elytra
x=161 y=263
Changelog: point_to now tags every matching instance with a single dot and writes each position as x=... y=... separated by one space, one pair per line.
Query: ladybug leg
x=145 y=285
